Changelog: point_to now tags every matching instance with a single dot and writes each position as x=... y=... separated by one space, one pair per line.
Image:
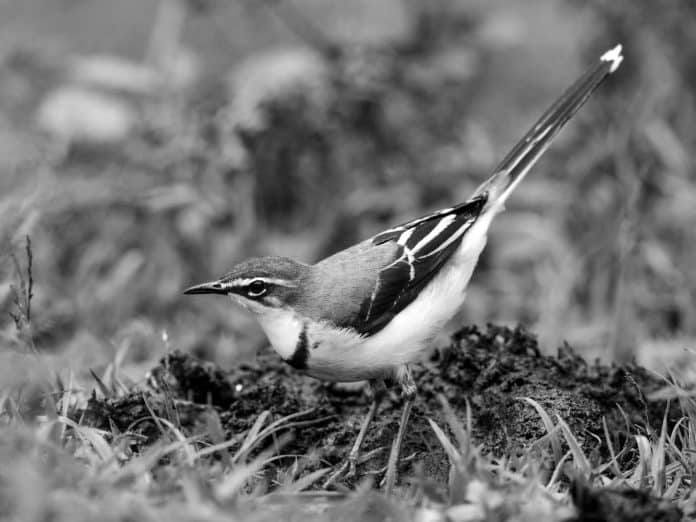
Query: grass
x=58 y=468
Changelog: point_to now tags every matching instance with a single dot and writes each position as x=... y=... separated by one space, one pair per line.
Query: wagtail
x=368 y=311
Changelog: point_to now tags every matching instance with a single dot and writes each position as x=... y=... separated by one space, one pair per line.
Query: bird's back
x=346 y=278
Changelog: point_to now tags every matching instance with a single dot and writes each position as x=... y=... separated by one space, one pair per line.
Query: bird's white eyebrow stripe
x=242 y=282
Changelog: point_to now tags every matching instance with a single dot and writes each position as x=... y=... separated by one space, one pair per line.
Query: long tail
x=525 y=154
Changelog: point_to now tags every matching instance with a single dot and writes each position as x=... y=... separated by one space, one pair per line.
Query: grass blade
x=578 y=455
x=548 y=425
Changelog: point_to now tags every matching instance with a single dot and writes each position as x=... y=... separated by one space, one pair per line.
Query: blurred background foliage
x=146 y=145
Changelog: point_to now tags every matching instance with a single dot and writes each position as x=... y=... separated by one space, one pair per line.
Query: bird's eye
x=256 y=288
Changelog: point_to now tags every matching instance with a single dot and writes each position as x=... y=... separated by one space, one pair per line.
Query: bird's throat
x=288 y=334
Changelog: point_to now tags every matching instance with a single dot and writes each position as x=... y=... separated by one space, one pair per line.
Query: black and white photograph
x=364 y=260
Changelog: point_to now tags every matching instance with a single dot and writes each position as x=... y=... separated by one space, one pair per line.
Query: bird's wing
x=377 y=278
x=423 y=246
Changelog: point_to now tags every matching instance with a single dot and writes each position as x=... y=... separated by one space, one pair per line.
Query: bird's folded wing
x=424 y=246
x=363 y=287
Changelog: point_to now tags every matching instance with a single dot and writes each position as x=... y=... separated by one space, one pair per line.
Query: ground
x=490 y=371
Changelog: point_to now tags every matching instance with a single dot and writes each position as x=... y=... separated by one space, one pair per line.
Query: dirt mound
x=491 y=370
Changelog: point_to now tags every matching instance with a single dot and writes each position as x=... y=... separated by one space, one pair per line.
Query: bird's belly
x=345 y=356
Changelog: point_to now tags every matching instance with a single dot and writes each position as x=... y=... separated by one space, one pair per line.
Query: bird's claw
x=352 y=468
x=352 y=463
x=347 y=470
x=389 y=476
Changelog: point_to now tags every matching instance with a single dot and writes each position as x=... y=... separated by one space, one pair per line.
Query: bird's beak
x=212 y=287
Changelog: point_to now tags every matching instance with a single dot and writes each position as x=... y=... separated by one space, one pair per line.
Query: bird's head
x=258 y=284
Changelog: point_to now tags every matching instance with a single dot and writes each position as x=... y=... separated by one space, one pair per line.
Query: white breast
x=282 y=328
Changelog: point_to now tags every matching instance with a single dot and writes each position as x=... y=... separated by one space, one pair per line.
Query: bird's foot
x=347 y=470
x=388 y=476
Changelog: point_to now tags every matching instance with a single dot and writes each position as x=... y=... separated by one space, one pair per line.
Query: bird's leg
x=408 y=393
x=377 y=390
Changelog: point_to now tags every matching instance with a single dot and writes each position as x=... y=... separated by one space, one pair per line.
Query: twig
x=22 y=297
x=301 y=26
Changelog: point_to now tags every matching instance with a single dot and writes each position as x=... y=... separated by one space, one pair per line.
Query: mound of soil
x=490 y=370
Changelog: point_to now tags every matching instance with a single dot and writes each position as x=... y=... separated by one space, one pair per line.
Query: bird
x=369 y=311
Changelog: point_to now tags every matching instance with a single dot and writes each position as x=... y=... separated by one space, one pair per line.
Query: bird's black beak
x=213 y=287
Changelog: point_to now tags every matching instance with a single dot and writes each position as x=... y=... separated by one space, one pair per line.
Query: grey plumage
x=267 y=267
x=352 y=273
